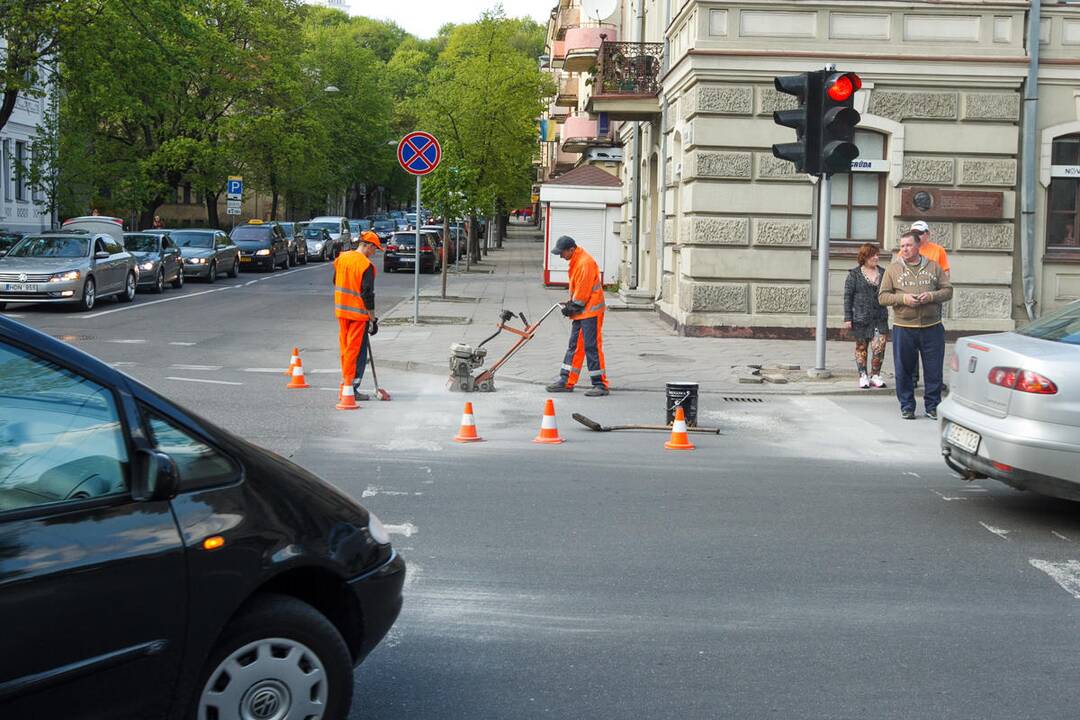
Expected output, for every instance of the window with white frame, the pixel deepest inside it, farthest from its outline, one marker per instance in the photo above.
(858, 198)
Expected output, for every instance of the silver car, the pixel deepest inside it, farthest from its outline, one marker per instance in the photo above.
(207, 253)
(338, 227)
(69, 266)
(1013, 411)
(158, 258)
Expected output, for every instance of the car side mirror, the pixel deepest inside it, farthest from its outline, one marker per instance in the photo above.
(156, 476)
(101, 255)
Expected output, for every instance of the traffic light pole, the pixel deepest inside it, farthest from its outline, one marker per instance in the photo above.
(824, 208)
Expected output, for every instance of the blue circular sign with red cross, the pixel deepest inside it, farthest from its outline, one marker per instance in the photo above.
(419, 153)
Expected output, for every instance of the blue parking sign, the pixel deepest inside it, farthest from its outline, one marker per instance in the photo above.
(235, 185)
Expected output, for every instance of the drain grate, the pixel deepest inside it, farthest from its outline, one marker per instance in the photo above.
(744, 398)
(74, 338)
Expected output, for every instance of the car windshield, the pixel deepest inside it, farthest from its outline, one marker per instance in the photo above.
(384, 225)
(1061, 326)
(359, 225)
(193, 239)
(313, 233)
(404, 240)
(52, 247)
(287, 227)
(249, 233)
(8, 239)
(141, 243)
(331, 226)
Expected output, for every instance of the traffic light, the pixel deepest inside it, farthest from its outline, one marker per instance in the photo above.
(805, 152)
(838, 120)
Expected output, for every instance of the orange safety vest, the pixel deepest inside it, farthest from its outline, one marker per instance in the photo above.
(349, 269)
(585, 286)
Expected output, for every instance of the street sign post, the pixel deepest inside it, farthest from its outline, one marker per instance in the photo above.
(234, 187)
(419, 153)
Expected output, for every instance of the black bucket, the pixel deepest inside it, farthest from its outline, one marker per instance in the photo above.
(685, 394)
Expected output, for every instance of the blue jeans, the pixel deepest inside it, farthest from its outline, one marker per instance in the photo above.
(909, 345)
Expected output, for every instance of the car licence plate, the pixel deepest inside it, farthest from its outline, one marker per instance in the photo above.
(406, 259)
(961, 437)
(244, 259)
(21, 288)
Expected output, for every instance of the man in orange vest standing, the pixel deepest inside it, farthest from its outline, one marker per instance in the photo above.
(354, 304)
(586, 309)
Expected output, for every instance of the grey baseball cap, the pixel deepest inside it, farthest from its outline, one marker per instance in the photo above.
(563, 244)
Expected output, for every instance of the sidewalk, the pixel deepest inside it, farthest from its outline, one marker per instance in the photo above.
(641, 352)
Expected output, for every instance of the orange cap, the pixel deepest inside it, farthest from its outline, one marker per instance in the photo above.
(369, 237)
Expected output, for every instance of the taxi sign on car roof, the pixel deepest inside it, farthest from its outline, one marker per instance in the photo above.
(254, 222)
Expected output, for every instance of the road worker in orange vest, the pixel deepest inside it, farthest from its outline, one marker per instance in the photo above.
(354, 306)
(586, 309)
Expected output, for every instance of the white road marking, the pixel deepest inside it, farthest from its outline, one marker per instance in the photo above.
(195, 367)
(913, 474)
(152, 302)
(182, 344)
(947, 498)
(250, 282)
(288, 272)
(974, 489)
(1066, 574)
(1003, 534)
(265, 370)
(406, 529)
(1056, 534)
(123, 363)
(127, 342)
(201, 380)
(372, 491)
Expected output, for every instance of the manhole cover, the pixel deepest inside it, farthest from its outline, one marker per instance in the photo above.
(74, 338)
(427, 320)
(743, 399)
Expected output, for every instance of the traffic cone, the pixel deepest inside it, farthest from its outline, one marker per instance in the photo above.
(680, 439)
(292, 362)
(549, 432)
(467, 431)
(347, 399)
(297, 380)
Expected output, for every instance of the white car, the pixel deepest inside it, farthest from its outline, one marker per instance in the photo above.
(338, 227)
(1013, 411)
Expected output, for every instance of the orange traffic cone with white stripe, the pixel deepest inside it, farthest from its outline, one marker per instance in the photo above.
(297, 380)
(467, 431)
(347, 398)
(680, 438)
(292, 362)
(549, 431)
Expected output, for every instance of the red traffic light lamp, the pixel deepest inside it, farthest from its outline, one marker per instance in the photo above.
(841, 86)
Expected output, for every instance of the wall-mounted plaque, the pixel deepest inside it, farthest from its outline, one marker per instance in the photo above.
(930, 202)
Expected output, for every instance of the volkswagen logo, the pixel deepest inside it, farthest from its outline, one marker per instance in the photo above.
(22, 277)
(265, 704)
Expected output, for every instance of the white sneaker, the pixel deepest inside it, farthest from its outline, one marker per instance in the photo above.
(877, 382)
(864, 382)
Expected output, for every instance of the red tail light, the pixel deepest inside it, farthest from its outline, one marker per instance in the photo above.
(1023, 380)
(426, 248)
(391, 248)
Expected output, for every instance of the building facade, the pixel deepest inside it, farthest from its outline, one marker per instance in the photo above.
(720, 238)
(23, 208)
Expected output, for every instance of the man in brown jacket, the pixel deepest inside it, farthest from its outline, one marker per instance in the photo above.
(915, 287)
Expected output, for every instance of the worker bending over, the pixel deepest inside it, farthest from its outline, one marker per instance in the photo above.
(354, 305)
(586, 309)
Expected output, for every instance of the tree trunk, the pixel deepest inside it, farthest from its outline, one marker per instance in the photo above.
(474, 240)
(7, 106)
(358, 203)
(211, 209)
(147, 213)
(500, 226)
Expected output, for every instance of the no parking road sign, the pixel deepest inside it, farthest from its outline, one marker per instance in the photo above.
(419, 153)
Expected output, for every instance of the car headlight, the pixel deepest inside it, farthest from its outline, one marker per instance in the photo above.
(149, 265)
(318, 247)
(263, 253)
(66, 276)
(197, 260)
(377, 530)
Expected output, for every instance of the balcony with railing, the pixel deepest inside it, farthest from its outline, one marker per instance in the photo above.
(583, 45)
(568, 92)
(558, 54)
(626, 83)
(558, 112)
(580, 132)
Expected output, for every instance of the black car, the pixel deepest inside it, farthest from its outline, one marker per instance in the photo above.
(153, 565)
(158, 259)
(384, 228)
(400, 252)
(263, 245)
(297, 247)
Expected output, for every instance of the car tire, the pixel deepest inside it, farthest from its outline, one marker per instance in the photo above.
(89, 295)
(179, 281)
(211, 273)
(3, 305)
(239, 673)
(128, 293)
(287, 262)
(159, 285)
(304, 259)
(235, 271)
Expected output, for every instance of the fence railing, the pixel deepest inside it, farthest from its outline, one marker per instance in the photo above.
(628, 68)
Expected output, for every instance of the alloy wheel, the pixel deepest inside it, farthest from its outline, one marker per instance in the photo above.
(89, 294)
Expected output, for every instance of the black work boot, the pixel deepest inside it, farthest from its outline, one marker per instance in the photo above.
(560, 386)
(597, 391)
(359, 395)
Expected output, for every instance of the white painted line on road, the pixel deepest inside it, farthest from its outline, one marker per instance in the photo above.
(1065, 574)
(288, 272)
(251, 282)
(913, 474)
(123, 363)
(974, 489)
(265, 370)
(372, 491)
(1003, 534)
(202, 380)
(152, 302)
(1056, 534)
(183, 344)
(195, 367)
(947, 498)
(406, 529)
(127, 342)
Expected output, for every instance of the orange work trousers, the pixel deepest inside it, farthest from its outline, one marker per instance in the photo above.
(586, 344)
(351, 340)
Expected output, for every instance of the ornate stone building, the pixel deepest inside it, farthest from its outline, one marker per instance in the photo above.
(721, 239)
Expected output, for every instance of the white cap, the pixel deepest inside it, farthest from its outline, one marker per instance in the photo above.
(920, 225)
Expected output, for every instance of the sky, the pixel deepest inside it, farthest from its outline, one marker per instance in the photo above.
(424, 17)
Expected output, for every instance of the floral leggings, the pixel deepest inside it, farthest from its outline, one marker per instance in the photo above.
(864, 347)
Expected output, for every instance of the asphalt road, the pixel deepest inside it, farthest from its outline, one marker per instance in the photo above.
(817, 560)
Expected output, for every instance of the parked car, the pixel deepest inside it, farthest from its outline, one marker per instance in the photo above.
(67, 266)
(321, 244)
(338, 227)
(98, 224)
(159, 566)
(1013, 410)
(384, 229)
(297, 246)
(207, 253)
(451, 247)
(400, 252)
(356, 227)
(157, 258)
(8, 238)
(263, 245)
